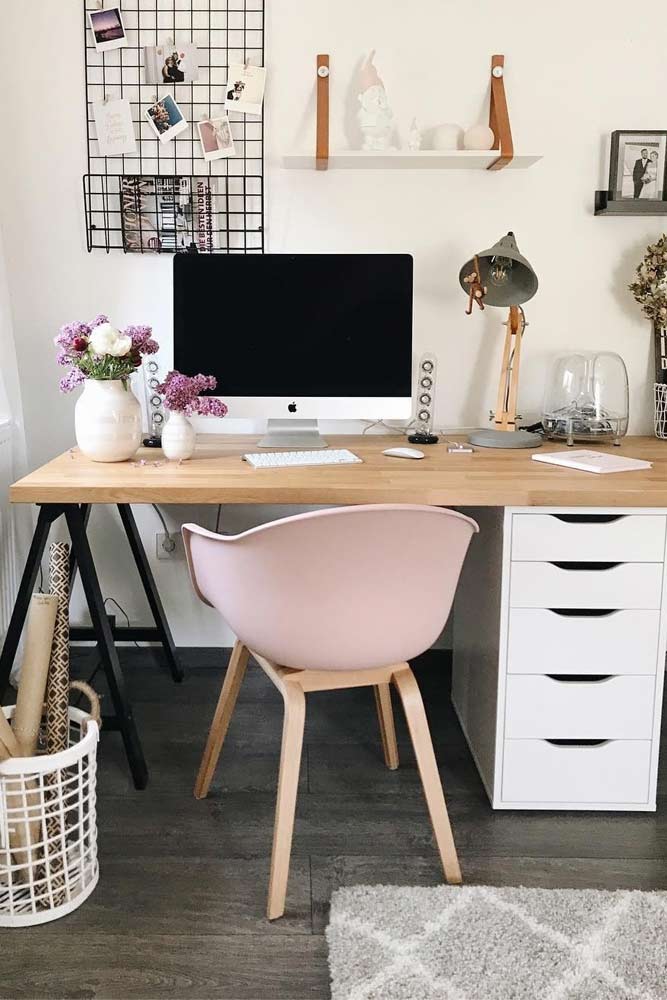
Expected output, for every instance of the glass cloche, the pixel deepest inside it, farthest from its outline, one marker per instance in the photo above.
(587, 398)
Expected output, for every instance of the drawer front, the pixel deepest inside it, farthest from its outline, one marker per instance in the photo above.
(626, 585)
(535, 771)
(627, 538)
(620, 642)
(613, 708)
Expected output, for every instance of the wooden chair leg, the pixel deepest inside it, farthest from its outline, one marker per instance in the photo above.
(223, 713)
(288, 783)
(387, 728)
(413, 705)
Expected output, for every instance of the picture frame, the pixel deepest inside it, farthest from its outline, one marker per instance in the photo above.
(638, 165)
(215, 135)
(166, 118)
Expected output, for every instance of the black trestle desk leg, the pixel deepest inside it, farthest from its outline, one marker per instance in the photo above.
(48, 513)
(108, 654)
(151, 591)
(85, 509)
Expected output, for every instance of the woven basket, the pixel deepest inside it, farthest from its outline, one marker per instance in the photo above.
(48, 808)
(660, 410)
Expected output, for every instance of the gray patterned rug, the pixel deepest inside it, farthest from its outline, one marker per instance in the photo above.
(479, 943)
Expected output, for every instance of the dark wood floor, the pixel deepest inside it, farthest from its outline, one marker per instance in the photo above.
(179, 911)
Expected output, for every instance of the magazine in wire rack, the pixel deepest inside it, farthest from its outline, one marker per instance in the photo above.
(168, 214)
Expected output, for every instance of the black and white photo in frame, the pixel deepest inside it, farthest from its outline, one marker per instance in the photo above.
(108, 29)
(638, 164)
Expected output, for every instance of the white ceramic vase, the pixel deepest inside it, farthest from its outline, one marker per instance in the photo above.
(178, 437)
(108, 421)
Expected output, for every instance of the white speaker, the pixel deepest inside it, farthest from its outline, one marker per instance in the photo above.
(427, 371)
(154, 404)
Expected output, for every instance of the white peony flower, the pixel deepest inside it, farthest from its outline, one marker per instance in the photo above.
(105, 339)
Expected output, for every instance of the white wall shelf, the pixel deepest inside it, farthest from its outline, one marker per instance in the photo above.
(399, 159)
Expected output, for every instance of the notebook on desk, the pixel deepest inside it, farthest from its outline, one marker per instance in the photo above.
(593, 461)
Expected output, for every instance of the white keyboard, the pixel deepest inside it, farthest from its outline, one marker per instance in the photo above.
(287, 459)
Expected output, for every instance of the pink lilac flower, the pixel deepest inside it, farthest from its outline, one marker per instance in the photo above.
(73, 378)
(182, 394)
(99, 320)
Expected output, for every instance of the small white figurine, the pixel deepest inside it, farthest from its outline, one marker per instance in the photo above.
(375, 116)
(414, 137)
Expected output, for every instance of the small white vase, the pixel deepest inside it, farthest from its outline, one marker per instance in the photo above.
(107, 421)
(178, 437)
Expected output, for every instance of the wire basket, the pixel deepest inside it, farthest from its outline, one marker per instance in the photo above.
(48, 828)
(660, 410)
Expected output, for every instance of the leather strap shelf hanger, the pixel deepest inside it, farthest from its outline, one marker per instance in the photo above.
(322, 141)
(499, 118)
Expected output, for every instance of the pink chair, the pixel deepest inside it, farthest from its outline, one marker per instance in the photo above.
(328, 600)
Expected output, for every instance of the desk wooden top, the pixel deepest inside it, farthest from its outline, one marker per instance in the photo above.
(216, 474)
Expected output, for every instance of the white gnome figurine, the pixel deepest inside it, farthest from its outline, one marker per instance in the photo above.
(375, 116)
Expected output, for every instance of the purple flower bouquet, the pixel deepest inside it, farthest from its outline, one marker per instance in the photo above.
(99, 351)
(182, 394)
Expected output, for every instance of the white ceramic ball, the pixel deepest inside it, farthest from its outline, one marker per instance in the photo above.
(447, 137)
(479, 137)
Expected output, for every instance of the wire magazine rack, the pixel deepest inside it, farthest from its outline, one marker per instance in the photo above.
(165, 197)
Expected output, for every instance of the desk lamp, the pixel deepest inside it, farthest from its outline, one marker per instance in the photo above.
(500, 276)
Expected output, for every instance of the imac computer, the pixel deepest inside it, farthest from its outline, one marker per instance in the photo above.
(298, 337)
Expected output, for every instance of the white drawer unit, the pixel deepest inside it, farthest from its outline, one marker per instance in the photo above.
(562, 707)
(576, 641)
(547, 776)
(559, 656)
(615, 537)
(568, 585)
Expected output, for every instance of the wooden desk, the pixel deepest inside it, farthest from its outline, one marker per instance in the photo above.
(70, 484)
(216, 474)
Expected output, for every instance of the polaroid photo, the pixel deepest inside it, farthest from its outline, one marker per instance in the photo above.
(115, 128)
(638, 165)
(245, 89)
(216, 139)
(166, 119)
(173, 63)
(108, 29)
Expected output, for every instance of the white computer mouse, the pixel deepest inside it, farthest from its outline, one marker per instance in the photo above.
(403, 453)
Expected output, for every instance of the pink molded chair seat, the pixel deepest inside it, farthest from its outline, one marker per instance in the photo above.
(342, 589)
(328, 600)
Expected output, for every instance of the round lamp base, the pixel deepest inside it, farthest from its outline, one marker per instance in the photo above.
(505, 439)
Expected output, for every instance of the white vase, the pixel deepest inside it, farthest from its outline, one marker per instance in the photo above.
(178, 437)
(108, 421)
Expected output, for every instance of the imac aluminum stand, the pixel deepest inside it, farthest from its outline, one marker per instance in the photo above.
(300, 435)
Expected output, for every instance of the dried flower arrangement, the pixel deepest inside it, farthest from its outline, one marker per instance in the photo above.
(99, 351)
(182, 394)
(650, 285)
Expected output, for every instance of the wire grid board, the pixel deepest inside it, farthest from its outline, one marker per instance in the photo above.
(166, 197)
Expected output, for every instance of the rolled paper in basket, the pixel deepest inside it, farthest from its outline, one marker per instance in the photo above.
(34, 671)
(8, 738)
(57, 688)
(57, 719)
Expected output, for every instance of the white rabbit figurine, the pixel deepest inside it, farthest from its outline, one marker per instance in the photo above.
(375, 116)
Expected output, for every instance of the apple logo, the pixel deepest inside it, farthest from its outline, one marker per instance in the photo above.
(292, 407)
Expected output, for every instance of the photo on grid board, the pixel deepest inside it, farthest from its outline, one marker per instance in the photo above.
(216, 139)
(108, 29)
(166, 119)
(245, 89)
(173, 63)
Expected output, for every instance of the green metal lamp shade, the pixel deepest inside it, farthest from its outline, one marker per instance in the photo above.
(520, 283)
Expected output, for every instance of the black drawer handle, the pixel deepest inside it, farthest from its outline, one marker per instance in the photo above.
(580, 678)
(596, 566)
(584, 612)
(589, 518)
(578, 743)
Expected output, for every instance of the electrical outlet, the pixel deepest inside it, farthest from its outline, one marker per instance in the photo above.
(169, 546)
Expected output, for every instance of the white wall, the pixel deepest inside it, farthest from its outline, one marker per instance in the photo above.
(575, 71)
